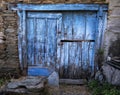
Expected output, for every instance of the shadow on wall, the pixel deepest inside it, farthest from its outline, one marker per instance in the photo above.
(114, 49)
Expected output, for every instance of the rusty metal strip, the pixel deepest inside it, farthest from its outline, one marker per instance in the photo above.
(77, 40)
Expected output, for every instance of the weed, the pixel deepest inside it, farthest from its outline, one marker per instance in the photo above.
(93, 84)
(103, 89)
(1, 82)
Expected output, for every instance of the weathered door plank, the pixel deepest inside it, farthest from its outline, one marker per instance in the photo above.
(77, 52)
(59, 36)
(40, 41)
(80, 25)
(91, 30)
(41, 34)
(30, 41)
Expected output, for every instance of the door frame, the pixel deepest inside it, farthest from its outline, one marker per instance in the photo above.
(21, 9)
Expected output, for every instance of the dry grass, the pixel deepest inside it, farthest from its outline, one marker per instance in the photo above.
(70, 90)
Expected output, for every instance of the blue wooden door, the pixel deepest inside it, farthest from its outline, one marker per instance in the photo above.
(64, 41)
(42, 39)
(77, 48)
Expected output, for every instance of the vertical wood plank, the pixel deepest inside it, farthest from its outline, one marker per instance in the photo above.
(24, 44)
(52, 29)
(20, 39)
(91, 34)
(59, 32)
(30, 41)
(104, 27)
(78, 33)
(67, 29)
(40, 42)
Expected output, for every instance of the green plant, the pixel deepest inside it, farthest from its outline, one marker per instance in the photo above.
(1, 82)
(107, 86)
(103, 89)
(99, 57)
(112, 91)
(93, 84)
(100, 51)
(96, 91)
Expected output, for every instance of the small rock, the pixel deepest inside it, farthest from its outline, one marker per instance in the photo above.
(99, 76)
(53, 80)
(2, 41)
(2, 36)
(10, 30)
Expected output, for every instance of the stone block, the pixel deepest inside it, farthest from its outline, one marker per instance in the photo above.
(12, 62)
(8, 72)
(114, 21)
(114, 24)
(48, 2)
(10, 30)
(113, 3)
(112, 74)
(2, 48)
(10, 18)
(115, 11)
(53, 80)
(2, 36)
(9, 15)
(28, 85)
(2, 41)
(2, 55)
(2, 62)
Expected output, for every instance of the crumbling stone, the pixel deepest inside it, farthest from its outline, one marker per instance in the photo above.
(29, 85)
(112, 74)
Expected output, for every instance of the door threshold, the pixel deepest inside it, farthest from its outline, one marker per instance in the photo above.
(73, 81)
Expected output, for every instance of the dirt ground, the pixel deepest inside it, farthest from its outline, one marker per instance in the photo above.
(70, 90)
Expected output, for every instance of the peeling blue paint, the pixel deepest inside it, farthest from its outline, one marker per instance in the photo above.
(59, 7)
(42, 34)
(39, 71)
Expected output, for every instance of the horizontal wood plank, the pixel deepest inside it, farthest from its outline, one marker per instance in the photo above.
(72, 81)
(58, 7)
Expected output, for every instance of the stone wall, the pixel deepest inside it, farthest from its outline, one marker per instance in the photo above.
(112, 35)
(8, 27)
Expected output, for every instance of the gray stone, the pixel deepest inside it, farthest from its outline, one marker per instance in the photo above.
(2, 36)
(113, 3)
(10, 30)
(115, 11)
(2, 41)
(26, 84)
(53, 80)
(112, 74)
(99, 76)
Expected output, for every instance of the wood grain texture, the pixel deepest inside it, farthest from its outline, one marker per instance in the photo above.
(65, 41)
(42, 38)
(59, 7)
(77, 52)
(47, 45)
